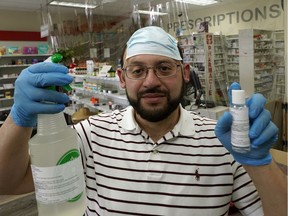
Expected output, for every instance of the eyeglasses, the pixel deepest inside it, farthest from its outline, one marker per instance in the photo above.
(162, 70)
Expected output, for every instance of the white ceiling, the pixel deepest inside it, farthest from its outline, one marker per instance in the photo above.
(112, 7)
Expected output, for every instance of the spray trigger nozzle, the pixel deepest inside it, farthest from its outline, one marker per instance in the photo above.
(56, 58)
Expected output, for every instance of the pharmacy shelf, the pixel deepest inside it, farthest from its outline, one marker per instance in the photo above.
(87, 86)
(255, 60)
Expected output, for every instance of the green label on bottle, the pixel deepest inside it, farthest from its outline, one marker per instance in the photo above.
(61, 183)
(69, 156)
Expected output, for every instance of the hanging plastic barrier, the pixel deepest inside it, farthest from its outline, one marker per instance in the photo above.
(170, 15)
(94, 28)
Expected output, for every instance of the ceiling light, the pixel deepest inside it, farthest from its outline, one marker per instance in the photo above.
(150, 12)
(198, 2)
(72, 4)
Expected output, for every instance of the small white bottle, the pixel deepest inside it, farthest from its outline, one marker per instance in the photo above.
(57, 168)
(90, 67)
(240, 126)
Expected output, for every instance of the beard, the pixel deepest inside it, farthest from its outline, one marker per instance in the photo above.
(157, 114)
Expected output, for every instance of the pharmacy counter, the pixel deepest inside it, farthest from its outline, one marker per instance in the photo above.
(18, 205)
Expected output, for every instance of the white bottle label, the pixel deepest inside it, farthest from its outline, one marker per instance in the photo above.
(240, 127)
(59, 183)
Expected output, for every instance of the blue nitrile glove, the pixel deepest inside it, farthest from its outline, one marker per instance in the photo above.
(30, 92)
(263, 132)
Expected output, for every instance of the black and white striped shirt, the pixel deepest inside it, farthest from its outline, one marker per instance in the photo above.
(187, 172)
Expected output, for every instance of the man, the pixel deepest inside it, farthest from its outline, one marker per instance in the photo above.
(154, 157)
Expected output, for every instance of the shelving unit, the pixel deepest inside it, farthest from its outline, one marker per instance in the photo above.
(10, 68)
(206, 55)
(220, 71)
(232, 58)
(194, 54)
(102, 88)
(256, 61)
(279, 65)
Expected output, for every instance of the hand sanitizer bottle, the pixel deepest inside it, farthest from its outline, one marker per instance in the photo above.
(240, 126)
(57, 168)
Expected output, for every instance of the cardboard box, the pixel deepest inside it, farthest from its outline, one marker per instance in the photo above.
(281, 159)
(275, 108)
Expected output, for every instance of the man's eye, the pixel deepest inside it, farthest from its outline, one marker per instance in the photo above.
(138, 71)
(164, 68)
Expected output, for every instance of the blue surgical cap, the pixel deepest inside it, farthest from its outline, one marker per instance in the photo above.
(152, 40)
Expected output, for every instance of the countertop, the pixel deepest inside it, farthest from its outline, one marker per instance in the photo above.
(18, 205)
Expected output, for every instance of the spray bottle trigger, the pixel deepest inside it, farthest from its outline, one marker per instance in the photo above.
(56, 58)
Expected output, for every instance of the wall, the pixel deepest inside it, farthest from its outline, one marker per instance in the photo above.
(20, 21)
(25, 22)
(229, 18)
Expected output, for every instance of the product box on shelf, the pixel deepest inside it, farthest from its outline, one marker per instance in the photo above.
(8, 95)
(30, 50)
(12, 50)
(2, 50)
(43, 49)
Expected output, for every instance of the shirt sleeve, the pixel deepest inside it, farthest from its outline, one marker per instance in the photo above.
(84, 140)
(245, 195)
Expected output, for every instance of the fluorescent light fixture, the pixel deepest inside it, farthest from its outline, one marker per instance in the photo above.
(150, 12)
(72, 4)
(198, 2)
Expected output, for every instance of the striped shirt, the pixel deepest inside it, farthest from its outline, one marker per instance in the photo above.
(187, 172)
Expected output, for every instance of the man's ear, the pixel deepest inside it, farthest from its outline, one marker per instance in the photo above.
(121, 76)
(186, 72)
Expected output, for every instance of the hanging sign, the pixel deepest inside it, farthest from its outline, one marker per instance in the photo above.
(44, 30)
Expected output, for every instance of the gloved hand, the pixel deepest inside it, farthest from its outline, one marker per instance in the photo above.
(30, 92)
(263, 132)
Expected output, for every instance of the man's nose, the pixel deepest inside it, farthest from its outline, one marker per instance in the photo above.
(151, 77)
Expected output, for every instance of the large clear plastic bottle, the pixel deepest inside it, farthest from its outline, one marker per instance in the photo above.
(240, 126)
(57, 168)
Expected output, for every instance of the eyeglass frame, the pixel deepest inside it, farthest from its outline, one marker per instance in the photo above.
(154, 70)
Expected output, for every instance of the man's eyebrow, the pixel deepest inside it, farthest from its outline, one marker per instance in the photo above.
(136, 62)
(156, 63)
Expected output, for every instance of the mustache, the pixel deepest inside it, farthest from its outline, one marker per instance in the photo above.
(151, 90)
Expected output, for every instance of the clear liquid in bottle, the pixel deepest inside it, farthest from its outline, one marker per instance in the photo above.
(57, 168)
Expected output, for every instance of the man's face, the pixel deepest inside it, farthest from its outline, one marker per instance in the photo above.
(153, 98)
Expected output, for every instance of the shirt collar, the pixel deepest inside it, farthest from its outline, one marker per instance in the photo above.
(185, 125)
(128, 121)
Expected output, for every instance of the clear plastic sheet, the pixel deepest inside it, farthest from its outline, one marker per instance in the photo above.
(82, 29)
(101, 33)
